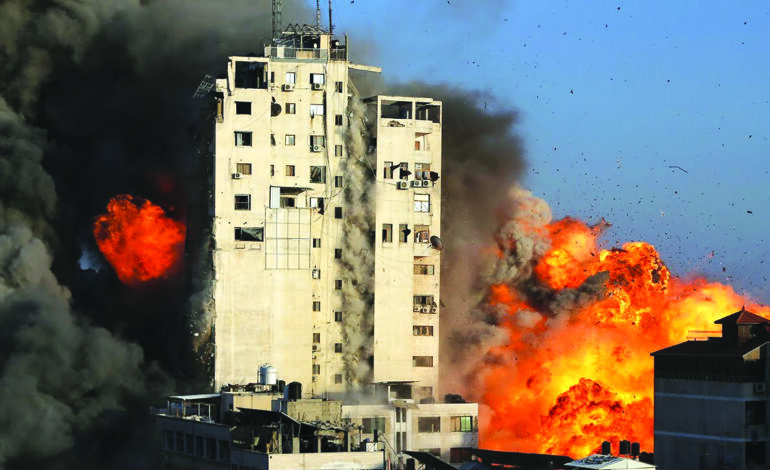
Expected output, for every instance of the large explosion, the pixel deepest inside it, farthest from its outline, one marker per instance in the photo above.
(138, 240)
(581, 321)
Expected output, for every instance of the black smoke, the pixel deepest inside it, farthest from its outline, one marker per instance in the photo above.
(95, 101)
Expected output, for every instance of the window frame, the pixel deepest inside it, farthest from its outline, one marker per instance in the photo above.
(241, 139)
(242, 203)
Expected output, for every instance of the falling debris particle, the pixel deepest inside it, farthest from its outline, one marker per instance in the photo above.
(679, 167)
(618, 8)
(749, 212)
(662, 214)
(724, 269)
(571, 92)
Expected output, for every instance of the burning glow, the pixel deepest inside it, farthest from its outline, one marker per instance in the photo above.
(138, 240)
(576, 369)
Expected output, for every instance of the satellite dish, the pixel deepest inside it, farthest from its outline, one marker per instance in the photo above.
(275, 109)
(436, 243)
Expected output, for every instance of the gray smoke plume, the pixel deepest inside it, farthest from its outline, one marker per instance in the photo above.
(94, 102)
(358, 250)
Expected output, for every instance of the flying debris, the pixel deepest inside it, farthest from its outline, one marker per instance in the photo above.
(679, 167)
(436, 243)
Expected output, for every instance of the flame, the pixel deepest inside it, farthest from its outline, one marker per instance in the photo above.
(571, 377)
(138, 240)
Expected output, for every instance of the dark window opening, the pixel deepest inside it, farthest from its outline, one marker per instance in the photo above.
(338, 87)
(242, 202)
(338, 316)
(243, 107)
(250, 75)
(338, 120)
(249, 234)
(338, 347)
(370, 424)
(318, 174)
(755, 412)
(338, 212)
(429, 424)
(242, 139)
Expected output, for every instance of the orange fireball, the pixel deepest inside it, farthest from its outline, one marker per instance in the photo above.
(139, 240)
(577, 370)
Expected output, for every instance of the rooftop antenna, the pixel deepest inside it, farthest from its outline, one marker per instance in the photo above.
(276, 19)
(318, 14)
(331, 27)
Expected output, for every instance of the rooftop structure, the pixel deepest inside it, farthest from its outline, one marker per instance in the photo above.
(607, 462)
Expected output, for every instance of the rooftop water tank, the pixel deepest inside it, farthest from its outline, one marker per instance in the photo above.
(268, 375)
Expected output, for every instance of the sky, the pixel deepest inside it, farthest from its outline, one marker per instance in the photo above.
(653, 115)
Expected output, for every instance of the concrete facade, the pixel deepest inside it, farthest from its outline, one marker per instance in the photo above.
(280, 150)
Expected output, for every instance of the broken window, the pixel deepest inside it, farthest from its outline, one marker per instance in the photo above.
(338, 253)
(426, 269)
(289, 139)
(338, 150)
(290, 170)
(421, 233)
(242, 202)
(316, 308)
(318, 174)
(317, 78)
(250, 75)
(387, 233)
(316, 369)
(243, 107)
(370, 424)
(462, 424)
(290, 78)
(387, 171)
(338, 316)
(422, 330)
(338, 120)
(316, 243)
(291, 108)
(316, 110)
(338, 284)
(242, 139)
(338, 347)
(338, 212)
(338, 181)
(403, 233)
(250, 234)
(422, 202)
(317, 202)
(429, 423)
(428, 112)
(243, 168)
(338, 87)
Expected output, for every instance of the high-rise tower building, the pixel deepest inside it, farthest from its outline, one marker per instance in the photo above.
(327, 212)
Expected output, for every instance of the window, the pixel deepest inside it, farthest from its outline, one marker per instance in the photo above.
(316, 338)
(370, 424)
(272, 77)
(199, 446)
(317, 142)
(338, 316)
(318, 174)
(401, 415)
(242, 139)
(338, 120)
(272, 170)
(338, 212)
(338, 284)
(387, 172)
(403, 233)
(249, 234)
(423, 303)
(338, 347)
(422, 171)
(462, 424)
(243, 168)
(224, 451)
(387, 233)
(316, 110)
(338, 87)
(291, 108)
(429, 424)
(291, 78)
(422, 202)
(755, 412)
(337, 378)
(338, 150)
(242, 202)
(243, 107)
(422, 330)
(403, 171)
(422, 361)
(287, 200)
(289, 139)
(424, 269)
(272, 139)
(317, 203)
(317, 78)
(316, 307)
(400, 441)
(316, 369)
(755, 454)
(290, 170)
(459, 455)
(338, 253)
(211, 448)
(421, 234)
(316, 243)
(338, 181)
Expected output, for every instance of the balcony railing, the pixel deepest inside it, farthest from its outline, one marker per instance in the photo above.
(282, 52)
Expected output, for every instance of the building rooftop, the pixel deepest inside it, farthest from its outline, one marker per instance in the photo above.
(712, 347)
(742, 317)
(598, 461)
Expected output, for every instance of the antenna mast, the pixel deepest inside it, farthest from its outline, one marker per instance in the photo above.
(331, 27)
(318, 14)
(276, 19)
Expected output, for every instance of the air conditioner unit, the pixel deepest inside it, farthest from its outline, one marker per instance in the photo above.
(416, 184)
(426, 184)
(315, 347)
(433, 309)
(318, 86)
(402, 184)
(288, 87)
(315, 148)
(760, 387)
(237, 176)
(416, 308)
(425, 310)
